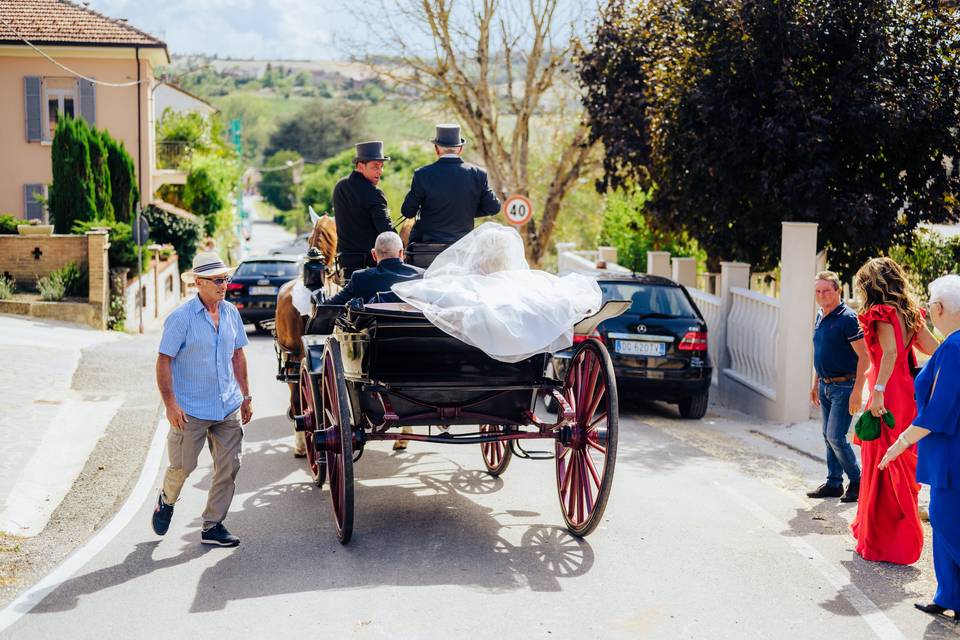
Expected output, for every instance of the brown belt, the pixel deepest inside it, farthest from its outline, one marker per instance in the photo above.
(846, 378)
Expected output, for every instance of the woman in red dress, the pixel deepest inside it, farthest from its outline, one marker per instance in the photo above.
(887, 525)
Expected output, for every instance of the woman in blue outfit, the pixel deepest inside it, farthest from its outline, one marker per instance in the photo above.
(937, 430)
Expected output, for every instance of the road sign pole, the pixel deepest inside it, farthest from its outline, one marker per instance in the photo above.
(139, 270)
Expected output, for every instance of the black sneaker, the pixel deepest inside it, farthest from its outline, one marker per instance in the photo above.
(853, 492)
(826, 491)
(161, 516)
(218, 534)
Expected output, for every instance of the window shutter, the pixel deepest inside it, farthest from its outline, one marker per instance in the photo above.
(88, 101)
(33, 103)
(33, 208)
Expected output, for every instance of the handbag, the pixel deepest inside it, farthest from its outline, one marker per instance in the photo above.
(868, 425)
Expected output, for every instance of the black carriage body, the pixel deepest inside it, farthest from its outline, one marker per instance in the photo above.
(400, 367)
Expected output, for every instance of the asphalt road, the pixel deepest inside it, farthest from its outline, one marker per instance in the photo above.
(704, 537)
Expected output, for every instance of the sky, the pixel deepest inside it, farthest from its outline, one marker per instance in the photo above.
(290, 29)
(277, 29)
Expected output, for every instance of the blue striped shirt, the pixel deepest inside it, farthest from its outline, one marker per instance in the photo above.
(203, 379)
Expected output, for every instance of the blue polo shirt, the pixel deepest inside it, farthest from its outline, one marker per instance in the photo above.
(203, 379)
(832, 354)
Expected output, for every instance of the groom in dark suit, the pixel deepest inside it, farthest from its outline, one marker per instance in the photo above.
(448, 194)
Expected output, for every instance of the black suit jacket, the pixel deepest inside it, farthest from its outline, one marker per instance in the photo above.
(366, 283)
(360, 211)
(448, 195)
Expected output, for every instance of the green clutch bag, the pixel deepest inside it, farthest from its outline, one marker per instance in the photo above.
(868, 426)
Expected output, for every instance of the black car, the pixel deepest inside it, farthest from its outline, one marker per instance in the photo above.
(658, 347)
(255, 284)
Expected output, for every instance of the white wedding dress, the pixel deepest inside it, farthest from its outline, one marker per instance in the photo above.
(481, 291)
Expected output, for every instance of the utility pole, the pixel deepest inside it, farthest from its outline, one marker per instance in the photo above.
(235, 129)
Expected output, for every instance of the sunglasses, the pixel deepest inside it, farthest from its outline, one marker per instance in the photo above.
(217, 281)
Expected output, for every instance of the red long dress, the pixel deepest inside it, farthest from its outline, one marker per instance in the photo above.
(887, 526)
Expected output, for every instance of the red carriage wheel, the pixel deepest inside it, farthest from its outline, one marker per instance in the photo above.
(496, 455)
(339, 450)
(308, 406)
(585, 461)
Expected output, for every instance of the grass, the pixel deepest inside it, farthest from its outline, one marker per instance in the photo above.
(11, 562)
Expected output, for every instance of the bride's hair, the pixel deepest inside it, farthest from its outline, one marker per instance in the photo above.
(496, 249)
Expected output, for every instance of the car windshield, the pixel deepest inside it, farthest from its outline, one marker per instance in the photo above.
(650, 300)
(267, 269)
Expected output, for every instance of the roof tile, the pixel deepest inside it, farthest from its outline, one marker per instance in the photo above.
(63, 22)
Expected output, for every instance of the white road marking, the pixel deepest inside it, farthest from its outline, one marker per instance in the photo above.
(882, 626)
(66, 570)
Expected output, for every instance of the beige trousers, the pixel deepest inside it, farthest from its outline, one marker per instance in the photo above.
(184, 446)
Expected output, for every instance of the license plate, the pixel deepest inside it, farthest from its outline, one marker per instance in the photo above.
(263, 291)
(638, 348)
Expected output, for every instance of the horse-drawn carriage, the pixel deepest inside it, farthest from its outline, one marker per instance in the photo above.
(363, 376)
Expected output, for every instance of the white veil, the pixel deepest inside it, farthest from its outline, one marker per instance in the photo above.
(481, 291)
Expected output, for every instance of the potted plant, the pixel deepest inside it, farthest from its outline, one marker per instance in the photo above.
(34, 228)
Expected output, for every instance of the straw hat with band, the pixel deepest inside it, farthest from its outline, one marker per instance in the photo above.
(207, 264)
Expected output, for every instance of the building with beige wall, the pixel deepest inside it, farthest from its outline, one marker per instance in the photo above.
(58, 57)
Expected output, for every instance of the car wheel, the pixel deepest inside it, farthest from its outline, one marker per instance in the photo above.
(695, 407)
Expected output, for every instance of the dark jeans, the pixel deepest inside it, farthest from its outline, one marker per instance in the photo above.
(835, 405)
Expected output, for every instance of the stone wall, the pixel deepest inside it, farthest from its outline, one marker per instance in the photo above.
(28, 258)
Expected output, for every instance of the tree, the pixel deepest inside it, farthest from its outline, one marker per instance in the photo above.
(743, 114)
(100, 173)
(277, 186)
(71, 197)
(318, 131)
(202, 197)
(124, 192)
(496, 67)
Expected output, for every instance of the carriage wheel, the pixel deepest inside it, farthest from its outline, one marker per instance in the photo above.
(308, 405)
(336, 415)
(585, 463)
(496, 455)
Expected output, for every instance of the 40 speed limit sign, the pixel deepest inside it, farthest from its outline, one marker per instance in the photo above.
(517, 210)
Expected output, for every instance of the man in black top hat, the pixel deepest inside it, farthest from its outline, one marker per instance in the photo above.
(448, 194)
(360, 208)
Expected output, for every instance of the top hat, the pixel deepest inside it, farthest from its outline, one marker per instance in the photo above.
(448, 135)
(206, 264)
(369, 151)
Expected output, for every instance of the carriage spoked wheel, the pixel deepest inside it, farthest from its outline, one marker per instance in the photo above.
(308, 406)
(339, 446)
(496, 455)
(587, 451)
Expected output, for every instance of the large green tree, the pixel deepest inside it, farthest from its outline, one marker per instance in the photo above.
(100, 173)
(71, 197)
(124, 192)
(321, 129)
(743, 113)
(277, 185)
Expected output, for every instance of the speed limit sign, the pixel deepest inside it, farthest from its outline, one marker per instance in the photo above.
(517, 209)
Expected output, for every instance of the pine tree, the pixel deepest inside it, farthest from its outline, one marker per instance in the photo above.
(71, 197)
(123, 179)
(100, 172)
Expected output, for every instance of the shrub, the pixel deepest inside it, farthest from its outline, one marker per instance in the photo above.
(124, 192)
(71, 196)
(100, 174)
(7, 287)
(929, 256)
(75, 280)
(8, 225)
(52, 287)
(123, 250)
(183, 234)
(118, 302)
(201, 196)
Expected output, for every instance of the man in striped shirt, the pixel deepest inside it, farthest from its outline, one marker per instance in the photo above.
(202, 376)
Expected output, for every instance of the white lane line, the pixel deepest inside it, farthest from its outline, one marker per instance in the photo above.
(66, 570)
(882, 626)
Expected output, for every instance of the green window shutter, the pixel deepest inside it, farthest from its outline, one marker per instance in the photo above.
(33, 107)
(88, 101)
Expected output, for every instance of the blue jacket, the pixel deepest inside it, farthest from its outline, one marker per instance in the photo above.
(366, 283)
(938, 409)
(448, 195)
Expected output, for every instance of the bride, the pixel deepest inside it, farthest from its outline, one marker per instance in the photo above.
(481, 291)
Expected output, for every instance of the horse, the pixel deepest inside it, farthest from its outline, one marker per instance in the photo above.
(289, 324)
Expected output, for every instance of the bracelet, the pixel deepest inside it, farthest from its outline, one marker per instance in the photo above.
(902, 438)
(246, 398)
(880, 387)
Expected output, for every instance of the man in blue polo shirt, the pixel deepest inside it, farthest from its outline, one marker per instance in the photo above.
(840, 360)
(202, 376)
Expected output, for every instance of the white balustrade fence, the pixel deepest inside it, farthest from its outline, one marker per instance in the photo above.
(752, 340)
(710, 307)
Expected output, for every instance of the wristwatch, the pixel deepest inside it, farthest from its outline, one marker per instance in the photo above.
(880, 387)
(246, 398)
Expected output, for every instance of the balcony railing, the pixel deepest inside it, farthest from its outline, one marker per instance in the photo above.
(173, 154)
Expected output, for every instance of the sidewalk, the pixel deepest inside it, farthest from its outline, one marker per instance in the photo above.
(52, 418)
